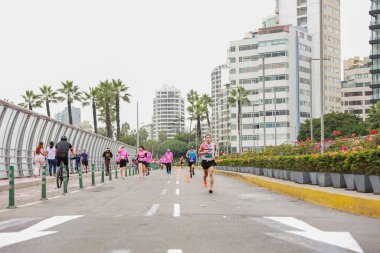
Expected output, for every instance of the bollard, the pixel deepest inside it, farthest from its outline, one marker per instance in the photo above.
(110, 173)
(92, 174)
(11, 176)
(116, 176)
(102, 173)
(80, 178)
(64, 180)
(43, 192)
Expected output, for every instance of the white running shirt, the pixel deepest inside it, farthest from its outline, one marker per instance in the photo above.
(209, 147)
(51, 153)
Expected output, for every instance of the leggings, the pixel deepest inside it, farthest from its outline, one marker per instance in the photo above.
(168, 167)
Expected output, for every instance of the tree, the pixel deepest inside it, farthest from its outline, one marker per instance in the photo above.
(239, 97)
(72, 94)
(124, 131)
(91, 97)
(187, 137)
(48, 95)
(143, 134)
(162, 136)
(207, 101)
(105, 98)
(373, 120)
(343, 123)
(120, 90)
(178, 148)
(31, 100)
(196, 110)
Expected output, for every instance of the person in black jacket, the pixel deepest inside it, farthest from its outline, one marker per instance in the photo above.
(107, 155)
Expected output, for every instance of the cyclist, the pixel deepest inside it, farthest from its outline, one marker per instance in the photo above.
(63, 148)
(191, 160)
(208, 154)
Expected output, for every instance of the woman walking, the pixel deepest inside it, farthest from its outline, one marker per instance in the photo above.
(141, 157)
(39, 158)
(123, 154)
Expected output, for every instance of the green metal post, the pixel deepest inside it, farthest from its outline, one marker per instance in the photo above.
(110, 173)
(93, 174)
(43, 192)
(11, 176)
(80, 178)
(116, 176)
(64, 180)
(103, 173)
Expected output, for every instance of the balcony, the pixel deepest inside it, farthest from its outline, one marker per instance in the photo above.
(374, 54)
(375, 9)
(374, 39)
(374, 24)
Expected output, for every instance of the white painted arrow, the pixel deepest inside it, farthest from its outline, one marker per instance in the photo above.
(34, 231)
(339, 239)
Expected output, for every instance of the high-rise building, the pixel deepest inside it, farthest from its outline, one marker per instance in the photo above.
(356, 90)
(280, 56)
(326, 37)
(375, 53)
(64, 116)
(149, 129)
(219, 76)
(168, 112)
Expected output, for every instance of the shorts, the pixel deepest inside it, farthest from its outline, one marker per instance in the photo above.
(190, 163)
(64, 160)
(207, 164)
(123, 163)
(146, 164)
(85, 163)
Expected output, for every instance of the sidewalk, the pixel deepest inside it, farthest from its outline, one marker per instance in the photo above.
(340, 199)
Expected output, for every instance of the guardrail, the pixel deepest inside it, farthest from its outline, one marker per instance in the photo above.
(21, 130)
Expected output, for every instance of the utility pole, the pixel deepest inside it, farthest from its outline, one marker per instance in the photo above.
(138, 130)
(265, 125)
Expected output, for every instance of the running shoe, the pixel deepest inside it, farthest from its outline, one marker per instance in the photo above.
(204, 183)
(210, 191)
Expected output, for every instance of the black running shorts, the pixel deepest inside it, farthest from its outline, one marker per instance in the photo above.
(123, 163)
(207, 164)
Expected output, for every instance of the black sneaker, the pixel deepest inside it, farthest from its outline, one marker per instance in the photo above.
(210, 191)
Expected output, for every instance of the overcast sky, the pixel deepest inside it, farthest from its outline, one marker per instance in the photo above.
(146, 43)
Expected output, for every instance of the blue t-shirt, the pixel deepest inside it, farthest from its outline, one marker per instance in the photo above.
(77, 158)
(85, 156)
(192, 156)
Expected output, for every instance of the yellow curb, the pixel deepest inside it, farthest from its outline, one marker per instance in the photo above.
(351, 204)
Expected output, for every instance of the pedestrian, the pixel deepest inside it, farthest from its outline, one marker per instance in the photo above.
(123, 154)
(84, 159)
(52, 161)
(39, 159)
(77, 160)
(148, 161)
(169, 159)
(107, 155)
(141, 157)
(208, 154)
(182, 161)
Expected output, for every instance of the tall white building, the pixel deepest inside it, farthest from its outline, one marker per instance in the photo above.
(219, 77)
(306, 13)
(64, 116)
(168, 112)
(285, 51)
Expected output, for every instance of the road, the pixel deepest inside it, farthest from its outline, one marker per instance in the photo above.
(163, 213)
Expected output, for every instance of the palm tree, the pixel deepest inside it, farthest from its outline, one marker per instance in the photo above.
(31, 100)
(196, 110)
(48, 95)
(105, 99)
(120, 90)
(72, 94)
(92, 97)
(373, 120)
(239, 97)
(207, 101)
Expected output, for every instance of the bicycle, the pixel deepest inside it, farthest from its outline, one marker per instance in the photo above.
(60, 175)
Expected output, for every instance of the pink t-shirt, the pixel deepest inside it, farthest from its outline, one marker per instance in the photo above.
(123, 154)
(148, 157)
(169, 157)
(142, 156)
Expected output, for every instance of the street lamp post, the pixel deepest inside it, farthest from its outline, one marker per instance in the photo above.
(275, 116)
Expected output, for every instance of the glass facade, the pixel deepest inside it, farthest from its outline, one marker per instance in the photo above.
(375, 43)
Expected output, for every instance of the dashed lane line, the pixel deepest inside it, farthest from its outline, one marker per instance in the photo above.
(177, 210)
(152, 210)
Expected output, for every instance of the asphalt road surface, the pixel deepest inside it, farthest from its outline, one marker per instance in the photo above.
(163, 213)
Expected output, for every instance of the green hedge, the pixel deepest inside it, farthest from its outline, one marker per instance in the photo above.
(363, 162)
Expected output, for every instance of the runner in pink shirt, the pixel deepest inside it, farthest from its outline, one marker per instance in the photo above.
(141, 157)
(169, 159)
(148, 161)
(123, 154)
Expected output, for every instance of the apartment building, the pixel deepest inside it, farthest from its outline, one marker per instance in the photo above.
(375, 44)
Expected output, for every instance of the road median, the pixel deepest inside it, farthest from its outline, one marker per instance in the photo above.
(347, 201)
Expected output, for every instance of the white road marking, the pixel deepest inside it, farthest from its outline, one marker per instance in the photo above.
(174, 251)
(152, 210)
(177, 192)
(164, 191)
(169, 182)
(74, 191)
(34, 231)
(177, 210)
(120, 251)
(339, 239)
(56, 197)
(177, 182)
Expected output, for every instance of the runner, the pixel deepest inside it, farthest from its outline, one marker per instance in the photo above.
(62, 148)
(191, 158)
(77, 158)
(107, 155)
(84, 159)
(162, 162)
(168, 161)
(181, 161)
(123, 161)
(141, 157)
(208, 154)
(148, 161)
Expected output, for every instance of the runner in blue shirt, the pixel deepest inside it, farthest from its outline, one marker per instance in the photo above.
(191, 156)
